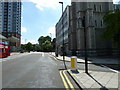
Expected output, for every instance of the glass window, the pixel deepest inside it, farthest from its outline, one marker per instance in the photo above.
(95, 23)
(101, 23)
(100, 8)
(94, 7)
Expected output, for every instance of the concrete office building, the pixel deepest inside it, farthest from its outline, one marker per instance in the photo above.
(10, 22)
(93, 13)
(63, 26)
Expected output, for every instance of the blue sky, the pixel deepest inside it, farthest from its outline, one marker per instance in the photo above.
(39, 18)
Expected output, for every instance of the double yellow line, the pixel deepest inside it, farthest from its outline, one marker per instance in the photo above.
(66, 81)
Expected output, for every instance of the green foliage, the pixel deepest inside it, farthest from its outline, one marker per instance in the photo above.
(47, 46)
(112, 22)
(45, 43)
(37, 47)
(29, 46)
(23, 46)
(42, 39)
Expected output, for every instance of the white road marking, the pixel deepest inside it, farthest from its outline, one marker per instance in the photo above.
(110, 69)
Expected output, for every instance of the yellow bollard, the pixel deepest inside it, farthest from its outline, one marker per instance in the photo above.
(73, 63)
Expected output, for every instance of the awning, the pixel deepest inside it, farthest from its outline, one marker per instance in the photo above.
(13, 39)
(2, 37)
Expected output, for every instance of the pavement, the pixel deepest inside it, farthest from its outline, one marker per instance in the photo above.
(100, 80)
(14, 53)
(95, 79)
(104, 61)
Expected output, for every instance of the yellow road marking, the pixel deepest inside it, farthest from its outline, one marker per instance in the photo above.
(64, 82)
(70, 84)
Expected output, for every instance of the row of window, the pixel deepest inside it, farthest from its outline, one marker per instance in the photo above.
(3, 42)
(96, 23)
(96, 7)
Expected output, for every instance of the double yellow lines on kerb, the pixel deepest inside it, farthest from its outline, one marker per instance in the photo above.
(66, 81)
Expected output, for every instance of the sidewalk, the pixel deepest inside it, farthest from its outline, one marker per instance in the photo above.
(95, 79)
(99, 80)
(92, 60)
(14, 53)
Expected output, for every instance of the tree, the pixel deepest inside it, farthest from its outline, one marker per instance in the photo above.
(23, 47)
(45, 43)
(28, 46)
(42, 39)
(38, 47)
(47, 46)
(112, 22)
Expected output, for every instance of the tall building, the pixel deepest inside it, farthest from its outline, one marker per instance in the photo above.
(85, 16)
(10, 22)
(62, 30)
(88, 16)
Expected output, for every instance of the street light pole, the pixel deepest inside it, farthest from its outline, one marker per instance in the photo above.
(51, 40)
(85, 44)
(63, 38)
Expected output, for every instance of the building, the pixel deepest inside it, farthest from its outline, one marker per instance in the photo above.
(80, 17)
(63, 26)
(91, 14)
(10, 22)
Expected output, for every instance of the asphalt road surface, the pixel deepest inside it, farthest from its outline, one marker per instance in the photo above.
(31, 71)
(36, 70)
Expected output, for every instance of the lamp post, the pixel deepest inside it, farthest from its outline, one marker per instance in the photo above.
(51, 40)
(63, 38)
(25, 44)
(85, 44)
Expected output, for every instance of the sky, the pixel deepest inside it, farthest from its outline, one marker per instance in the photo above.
(39, 18)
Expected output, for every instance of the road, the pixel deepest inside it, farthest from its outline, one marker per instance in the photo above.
(36, 70)
(31, 71)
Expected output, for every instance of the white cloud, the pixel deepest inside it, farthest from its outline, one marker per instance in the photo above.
(23, 29)
(116, 1)
(41, 4)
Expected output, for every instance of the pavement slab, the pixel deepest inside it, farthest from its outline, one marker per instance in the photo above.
(96, 79)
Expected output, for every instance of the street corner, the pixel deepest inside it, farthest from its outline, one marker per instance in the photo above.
(52, 56)
(56, 58)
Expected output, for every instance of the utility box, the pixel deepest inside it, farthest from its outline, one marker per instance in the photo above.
(74, 63)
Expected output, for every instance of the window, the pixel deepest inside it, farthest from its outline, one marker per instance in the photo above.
(95, 23)
(94, 7)
(100, 8)
(101, 23)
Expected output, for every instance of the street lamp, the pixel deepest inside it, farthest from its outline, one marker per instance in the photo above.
(63, 37)
(51, 40)
(51, 36)
(85, 44)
